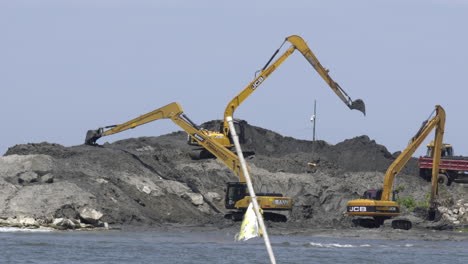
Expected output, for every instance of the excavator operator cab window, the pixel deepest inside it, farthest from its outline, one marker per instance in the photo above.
(235, 192)
(372, 194)
(239, 127)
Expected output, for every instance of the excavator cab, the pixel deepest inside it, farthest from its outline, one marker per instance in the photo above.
(239, 125)
(376, 194)
(373, 194)
(235, 191)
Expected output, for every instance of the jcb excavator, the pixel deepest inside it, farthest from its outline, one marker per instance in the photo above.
(377, 204)
(237, 198)
(223, 137)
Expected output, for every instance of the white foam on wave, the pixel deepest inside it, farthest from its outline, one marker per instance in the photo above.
(394, 246)
(17, 229)
(336, 245)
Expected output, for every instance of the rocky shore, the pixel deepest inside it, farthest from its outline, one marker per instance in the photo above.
(151, 182)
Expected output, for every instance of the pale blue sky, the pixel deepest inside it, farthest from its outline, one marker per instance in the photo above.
(70, 66)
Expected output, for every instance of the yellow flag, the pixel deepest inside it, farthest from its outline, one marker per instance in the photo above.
(249, 227)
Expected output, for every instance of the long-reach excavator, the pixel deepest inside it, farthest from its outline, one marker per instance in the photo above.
(237, 198)
(223, 136)
(377, 204)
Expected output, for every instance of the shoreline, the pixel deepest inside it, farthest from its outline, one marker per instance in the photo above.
(383, 233)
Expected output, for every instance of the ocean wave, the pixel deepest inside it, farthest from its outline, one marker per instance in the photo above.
(337, 245)
(17, 229)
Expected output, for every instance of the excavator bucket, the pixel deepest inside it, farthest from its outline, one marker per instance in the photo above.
(358, 105)
(92, 136)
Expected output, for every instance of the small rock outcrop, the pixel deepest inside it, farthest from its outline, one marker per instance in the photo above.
(457, 214)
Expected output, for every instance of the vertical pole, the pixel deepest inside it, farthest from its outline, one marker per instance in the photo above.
(315, 117)
(235, 138)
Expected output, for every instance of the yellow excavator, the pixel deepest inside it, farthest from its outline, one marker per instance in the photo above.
(297, 43)
(237, 198)
(377, 204)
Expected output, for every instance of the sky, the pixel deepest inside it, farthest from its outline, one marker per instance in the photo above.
(70, 66)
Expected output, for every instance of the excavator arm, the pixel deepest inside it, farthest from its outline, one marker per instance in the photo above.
(438, 122)
(299, 44)
(164, 112)
(174, 112)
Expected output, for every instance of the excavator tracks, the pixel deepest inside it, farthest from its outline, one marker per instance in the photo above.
(402, 224)
(378, 222)
(267, 216)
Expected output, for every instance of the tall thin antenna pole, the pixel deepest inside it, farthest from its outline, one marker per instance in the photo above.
(315, 118)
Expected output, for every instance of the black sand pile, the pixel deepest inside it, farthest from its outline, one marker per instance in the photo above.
(151, 181)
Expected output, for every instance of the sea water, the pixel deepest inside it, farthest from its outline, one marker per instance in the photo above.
(45, 246)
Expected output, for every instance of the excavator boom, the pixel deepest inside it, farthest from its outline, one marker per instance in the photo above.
(299, 44)
(174, 112)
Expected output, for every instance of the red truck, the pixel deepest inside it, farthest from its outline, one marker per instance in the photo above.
(451, 168)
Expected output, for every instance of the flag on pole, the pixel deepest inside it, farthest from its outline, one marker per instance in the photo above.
(249, 227)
